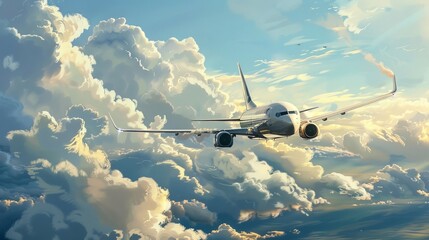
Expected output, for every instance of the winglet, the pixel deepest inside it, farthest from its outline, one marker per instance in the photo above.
(395, 87)
(113, 122)
(247, 99)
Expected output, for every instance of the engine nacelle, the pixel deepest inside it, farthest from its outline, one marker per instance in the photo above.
(308, 130)
(223, 139)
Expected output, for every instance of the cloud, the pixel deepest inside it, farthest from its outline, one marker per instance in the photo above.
(255, 188)
(386, 71)
(61, 76)
(335, 97)
(11, 211)
(371, 16)
(398, 182)
(69, 172)
(195, 211)
(290, 71)
(95, 124)
(335, 23)
(345, 185)
(356, 143)
(358, 14)
(12, 117)
(142, 202)
(9, 63)
(155, 73)
(146, 83)
(405, 138)
(16, 183)
(293, 160)
(225, 231)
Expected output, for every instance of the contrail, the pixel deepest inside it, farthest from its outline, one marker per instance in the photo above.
(385, 70)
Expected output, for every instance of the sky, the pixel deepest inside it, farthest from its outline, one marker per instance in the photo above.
(66, 173)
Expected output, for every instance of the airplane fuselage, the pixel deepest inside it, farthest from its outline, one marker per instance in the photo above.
(272, 121)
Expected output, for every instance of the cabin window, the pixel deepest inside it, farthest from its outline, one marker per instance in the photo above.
(281, 113)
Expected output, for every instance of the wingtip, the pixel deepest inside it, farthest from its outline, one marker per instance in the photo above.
(114, 125)
(395, 87)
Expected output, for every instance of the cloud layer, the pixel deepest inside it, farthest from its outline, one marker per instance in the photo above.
(65, 173)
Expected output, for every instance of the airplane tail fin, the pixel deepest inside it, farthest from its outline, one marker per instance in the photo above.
(247, 99)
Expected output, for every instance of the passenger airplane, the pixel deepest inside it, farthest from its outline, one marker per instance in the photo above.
(275, 120)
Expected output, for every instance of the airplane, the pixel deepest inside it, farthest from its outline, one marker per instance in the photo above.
(275, 120)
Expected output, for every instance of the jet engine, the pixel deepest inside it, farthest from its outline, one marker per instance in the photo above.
(308, 130)
(223, 139)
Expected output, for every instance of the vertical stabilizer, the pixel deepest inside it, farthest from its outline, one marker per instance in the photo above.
(247, 99)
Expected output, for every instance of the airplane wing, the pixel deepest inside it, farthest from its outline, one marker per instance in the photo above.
(343, 110)
(234, 131)
(217, 120)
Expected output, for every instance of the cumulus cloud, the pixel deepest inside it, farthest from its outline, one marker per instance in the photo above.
(142, 83)
(293, 160)
(155, 73)
(346, 185)
(95, 124)
(194, 211)
(69, 172)
(356, 143)
(225, 231)
(404, 139)
(398, 182)
(57, 74)
(256, 189)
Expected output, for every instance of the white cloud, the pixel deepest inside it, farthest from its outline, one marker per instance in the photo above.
(9, 63)
(346, 185)
(254, 186)
(358, 14)
(69, 171)
(398, 15)
(395, 181)
(128, 68)
(156, 73)
(293, 160)
(225, 231)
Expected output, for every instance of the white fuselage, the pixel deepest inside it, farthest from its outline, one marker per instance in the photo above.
(273, 120)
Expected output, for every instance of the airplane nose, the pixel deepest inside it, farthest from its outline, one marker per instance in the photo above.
(290, 126)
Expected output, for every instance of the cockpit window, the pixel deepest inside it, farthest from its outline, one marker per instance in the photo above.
(281, 113)
(292, 112)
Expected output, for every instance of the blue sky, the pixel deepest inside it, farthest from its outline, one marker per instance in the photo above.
(224, 35)
(65, 172)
